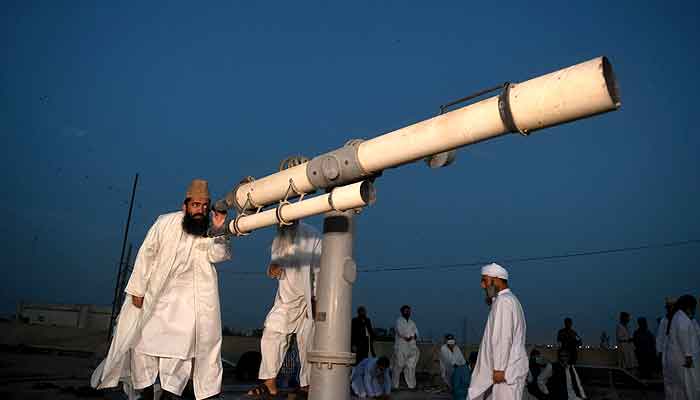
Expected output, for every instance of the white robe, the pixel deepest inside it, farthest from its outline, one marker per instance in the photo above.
(502, 349)
(546, 374)
(696, 359)
(152, 278)
(406, 353)
(291, 311)
(448, 360)
(625, 349)
(661, 335)
(680, 344)
(364, 380)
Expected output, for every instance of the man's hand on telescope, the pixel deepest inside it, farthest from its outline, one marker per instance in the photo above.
(137, 301)
(218, 219)
(274, 271)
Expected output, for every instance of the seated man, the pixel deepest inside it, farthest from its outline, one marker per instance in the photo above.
(450, 357)
(372, 378)
(537, 365)
(560, 381)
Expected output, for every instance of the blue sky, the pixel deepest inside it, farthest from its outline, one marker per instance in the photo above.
(93, 92)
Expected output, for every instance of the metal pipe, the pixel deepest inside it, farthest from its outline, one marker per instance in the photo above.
(576, 92)
(331, 360)
(342, 198)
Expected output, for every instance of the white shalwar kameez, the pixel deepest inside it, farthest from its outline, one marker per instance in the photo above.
(502, 349)
(291, 312)
(365, 381)
(176, 334)
(448, 360)
(696, 359)
(625, 348)
(679, 345)
(406, 353)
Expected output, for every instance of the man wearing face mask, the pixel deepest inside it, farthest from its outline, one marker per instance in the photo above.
(170, 326)
(502, 365)
(406, 351)
(450, 357)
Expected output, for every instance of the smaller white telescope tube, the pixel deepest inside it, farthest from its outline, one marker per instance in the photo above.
(342, 198)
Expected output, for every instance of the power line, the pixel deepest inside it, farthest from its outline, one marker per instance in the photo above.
(572, 254)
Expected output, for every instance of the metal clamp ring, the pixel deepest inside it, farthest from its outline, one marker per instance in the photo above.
(237, 230)
(505, 111)
(278, 214)
(330, 202)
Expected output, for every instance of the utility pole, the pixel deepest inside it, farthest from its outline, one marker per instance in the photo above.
(121, 260)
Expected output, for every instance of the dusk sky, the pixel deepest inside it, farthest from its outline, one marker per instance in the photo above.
(93, 92)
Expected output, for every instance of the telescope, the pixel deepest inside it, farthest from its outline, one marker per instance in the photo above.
(572, 93)
(346, 175)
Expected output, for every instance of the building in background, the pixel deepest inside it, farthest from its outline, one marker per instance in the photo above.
(88, 316)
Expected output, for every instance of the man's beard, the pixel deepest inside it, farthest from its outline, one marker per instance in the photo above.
(491, 293)
(286, 235)
(195, 226)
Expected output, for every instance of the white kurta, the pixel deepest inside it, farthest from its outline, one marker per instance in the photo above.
(661, 335)
(625, 348)
(695, 375)
(502, 349)
(291, 312)
(406, 352)
(546, 374)
(365, 381)
(448, 360)
(679, 345)
(168, 262)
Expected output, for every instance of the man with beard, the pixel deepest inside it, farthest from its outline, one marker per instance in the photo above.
(362, 336)
(406, 352)
(502, 367)
(295, 263)
(170, 325)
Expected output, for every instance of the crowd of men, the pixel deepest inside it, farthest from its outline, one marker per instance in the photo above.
(169, 330)
(674, 352)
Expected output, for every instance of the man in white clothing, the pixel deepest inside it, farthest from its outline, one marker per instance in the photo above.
(502, 364)
(626, 356)
(370, 378)
(450, 357)
(661, 339)
(679, 361)
(170, 325)
(295, 263)
(663, 325)
(406, 353)
(560, 380)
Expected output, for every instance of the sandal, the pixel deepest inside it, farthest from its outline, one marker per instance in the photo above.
(260, 392)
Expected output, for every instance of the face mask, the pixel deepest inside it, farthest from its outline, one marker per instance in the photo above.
(539, 360)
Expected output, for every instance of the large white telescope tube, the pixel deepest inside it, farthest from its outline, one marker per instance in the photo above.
(572, 93)
(342, 198)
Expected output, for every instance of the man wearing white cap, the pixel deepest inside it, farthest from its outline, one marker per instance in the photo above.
(295, 264)
(170, 325)
(502, 366)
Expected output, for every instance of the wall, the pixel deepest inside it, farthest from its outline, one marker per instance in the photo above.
(87, 316)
